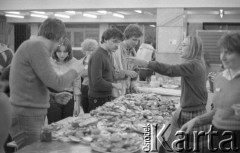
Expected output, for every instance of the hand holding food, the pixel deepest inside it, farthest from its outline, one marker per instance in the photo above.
(63, 97)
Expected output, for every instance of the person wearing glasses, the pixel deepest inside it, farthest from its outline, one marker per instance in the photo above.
(31, 75)
(67, 102)
(88, 47)
(193, 83)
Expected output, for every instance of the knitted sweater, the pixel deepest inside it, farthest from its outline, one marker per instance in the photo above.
(30, 75)
(62, 68)
(193, 82)
(227, 93)
(100, 74)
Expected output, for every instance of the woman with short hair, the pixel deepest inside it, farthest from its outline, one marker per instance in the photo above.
(88, 47)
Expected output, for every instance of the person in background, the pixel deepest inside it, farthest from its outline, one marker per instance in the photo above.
(146, 52)
(226, 98)
(101, 70)
(5, 117)
(132, 35)
(193, 83)
(67, 102)
(88, 46)
(31, 74)
(6, 55)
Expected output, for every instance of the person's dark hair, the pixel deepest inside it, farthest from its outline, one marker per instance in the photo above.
(230, 41)
(68, 46)
(133, 30)
(111, 33)
(148, 40)
(52, 29)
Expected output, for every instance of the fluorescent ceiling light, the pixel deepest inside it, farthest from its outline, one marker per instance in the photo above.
(70, 12)
(89, 15)
(148, 13)
(62, 16)
(138, 11)
(221, 13)
(13, 12)
(122, 12)
(118, 15)
(102, 11)
(39, 16)
(38, 12)
(14, 16)
(152, 25)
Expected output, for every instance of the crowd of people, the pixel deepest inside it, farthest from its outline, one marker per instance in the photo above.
(46, 81)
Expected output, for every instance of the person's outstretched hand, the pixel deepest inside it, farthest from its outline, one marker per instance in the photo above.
(63, 97)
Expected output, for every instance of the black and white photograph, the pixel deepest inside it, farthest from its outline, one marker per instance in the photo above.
(119, 76)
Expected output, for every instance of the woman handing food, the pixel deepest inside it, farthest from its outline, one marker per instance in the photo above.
(193, 81)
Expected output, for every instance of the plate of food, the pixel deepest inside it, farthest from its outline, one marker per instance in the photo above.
(118, 143)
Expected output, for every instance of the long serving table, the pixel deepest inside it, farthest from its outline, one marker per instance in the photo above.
(67, 147)
(56, 146)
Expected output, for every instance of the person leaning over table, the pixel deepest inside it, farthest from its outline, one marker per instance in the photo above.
(101, 71)
(125, 70)
(193, 82)
(67, 102)
(88, 47)
(5, 117)
(227, 93)
(31, 74)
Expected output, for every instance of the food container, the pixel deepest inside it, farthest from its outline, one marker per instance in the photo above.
(236, 108)
(46, 134)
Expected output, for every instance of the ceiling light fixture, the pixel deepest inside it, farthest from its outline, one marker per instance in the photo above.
(70, 12)
(118, 15)
(62, 16)
(14, 16)
(102, 11)
(38, 12)
(152, 25)
(89, 15)
(221, 13)
(138, 11)
(39, 16)
(13, 12)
